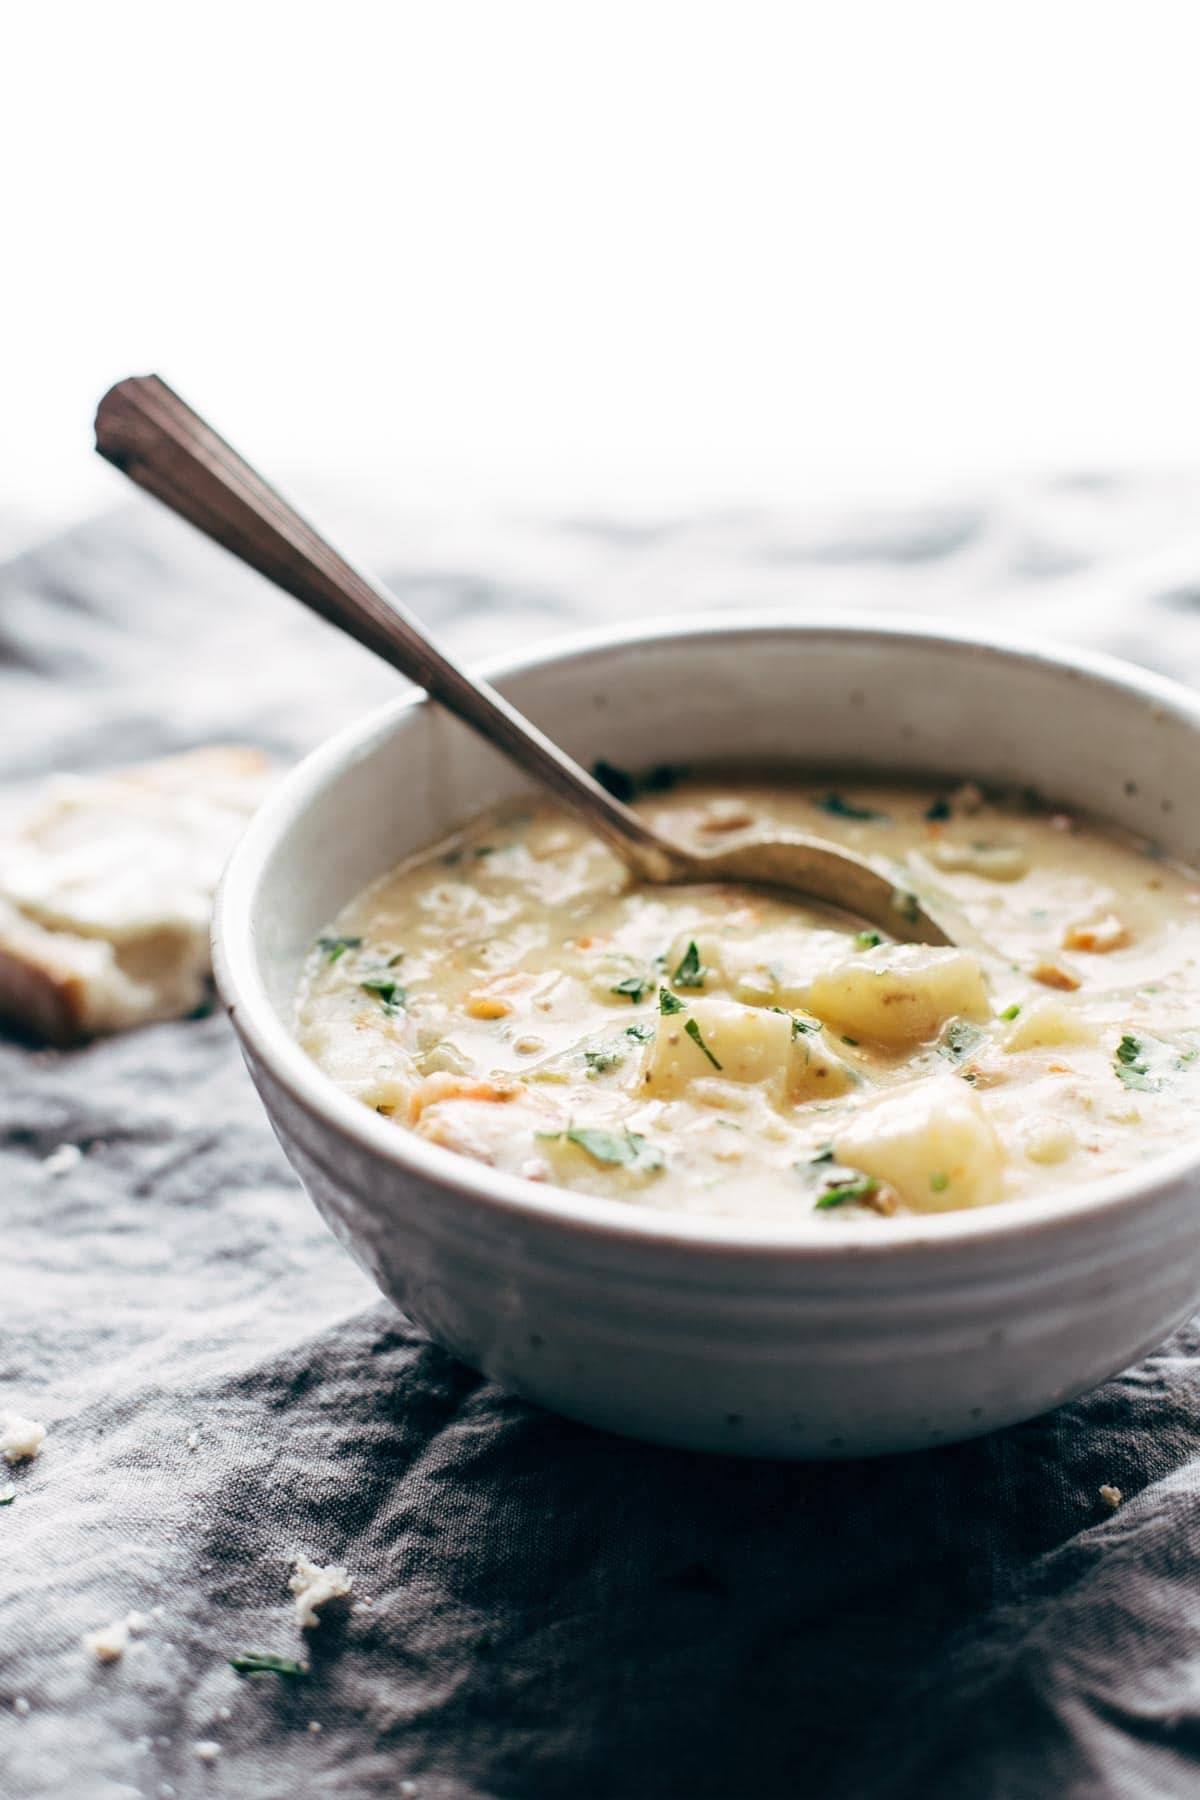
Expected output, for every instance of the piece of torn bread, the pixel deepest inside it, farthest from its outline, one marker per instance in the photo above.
(106, 887)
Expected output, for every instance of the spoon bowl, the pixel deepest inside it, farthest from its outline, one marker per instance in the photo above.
(797, 863)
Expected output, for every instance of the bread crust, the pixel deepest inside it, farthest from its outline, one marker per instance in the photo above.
(61, 987)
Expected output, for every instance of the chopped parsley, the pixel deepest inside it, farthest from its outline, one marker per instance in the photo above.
(804, 1027)
(390, 995)
(607, 1056)
(669, 1002)
(853, 1042)
(938, 810)
(260, 1662)
(1144, 1062)
(634, 988)
(1132, 1067)
(1010, 1012)
(959, 1041)
(8, 1495)
(859, 1187)
(867, 940)
(823, 1155)
(337, 946)
(839, 808)
(939, 1182)
(615, 1149)
(693, 1031)
(691, 971)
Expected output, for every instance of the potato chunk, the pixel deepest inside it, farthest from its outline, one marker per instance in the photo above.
(995, 862)
(932, 1141)
(715, 1037)
(1045, 1024)
(815, 1072)
(749, 1044)
(900, 993)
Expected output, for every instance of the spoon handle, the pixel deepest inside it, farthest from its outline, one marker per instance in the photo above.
(155, 438)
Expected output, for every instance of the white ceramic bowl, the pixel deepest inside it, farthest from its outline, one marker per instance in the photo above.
(706, 1332)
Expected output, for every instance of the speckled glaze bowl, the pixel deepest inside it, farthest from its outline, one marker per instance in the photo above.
(882, 1335)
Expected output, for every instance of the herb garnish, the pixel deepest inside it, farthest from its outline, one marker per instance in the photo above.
(607, 1147)
(1132, 1067)
(337, 946)
(825, 1154)
(1137, 1057)
(691, 971)
(939, 1182)
(390, 995)
(844, 809)
(669, 1002)
(867, 940)
(634, 987)
(693, 1031)
(804, 1027)
(858, 1188)
(8, 1495)
(260, 1662)
(959, 1041)
(607, 1056)
(1010, 1012)
(938, 810)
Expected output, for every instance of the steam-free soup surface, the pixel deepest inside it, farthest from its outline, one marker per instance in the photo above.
(516, 996)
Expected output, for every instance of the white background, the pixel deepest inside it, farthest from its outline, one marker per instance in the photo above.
(645, 251)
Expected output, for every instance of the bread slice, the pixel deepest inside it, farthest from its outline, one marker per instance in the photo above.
(106, 886)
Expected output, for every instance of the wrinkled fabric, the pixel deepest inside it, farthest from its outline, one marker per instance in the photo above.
(539, 1610)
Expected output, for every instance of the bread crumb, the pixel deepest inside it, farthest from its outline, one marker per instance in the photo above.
(22, 1707)
(314, 1725)
(1111, 1496)
(20, 1439)
(225, 1713)
(136, 1623)
(314, 1586)
(108, 1644)
(192, 1440)
(63, 1159)
(408, 1788)
(206, 1750)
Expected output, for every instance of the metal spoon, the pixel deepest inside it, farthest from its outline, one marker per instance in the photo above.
(152, 436)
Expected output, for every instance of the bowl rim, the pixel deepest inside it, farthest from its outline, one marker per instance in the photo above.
(618, 1222)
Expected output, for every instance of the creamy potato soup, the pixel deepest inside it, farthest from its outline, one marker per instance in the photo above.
(515, 995)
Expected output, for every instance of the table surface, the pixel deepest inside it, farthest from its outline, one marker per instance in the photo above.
(541, 1610)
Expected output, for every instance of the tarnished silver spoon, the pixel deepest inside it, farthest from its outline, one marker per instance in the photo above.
(152, 436)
